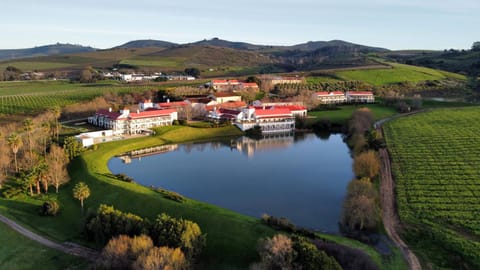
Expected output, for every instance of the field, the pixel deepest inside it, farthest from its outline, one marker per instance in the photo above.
(344, 112)
(435, 162)
(32, 97)
(398, 73)
(34, 65)
(231, 237)
(26, 254)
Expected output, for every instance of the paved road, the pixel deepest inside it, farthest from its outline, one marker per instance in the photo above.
(69, 248)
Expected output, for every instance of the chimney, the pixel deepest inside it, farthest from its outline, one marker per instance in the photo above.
(138, 111)
(110, 109)
(168, 100)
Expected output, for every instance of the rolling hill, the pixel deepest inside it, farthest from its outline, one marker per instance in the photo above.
(55, 49)
(146, 43)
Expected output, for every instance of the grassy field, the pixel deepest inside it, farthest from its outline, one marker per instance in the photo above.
(435, 162)
(231, 237)
(344, 112)
(19, 252)
(33, 65)
(169, 63)
(398, 73)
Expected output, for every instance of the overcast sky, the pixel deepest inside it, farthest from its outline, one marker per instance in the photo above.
(392, 24)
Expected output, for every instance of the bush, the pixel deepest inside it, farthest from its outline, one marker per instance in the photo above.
(348, 258)
(309, 257)
(174, 196)
(279, 223)
(124, 178)
(49, 208)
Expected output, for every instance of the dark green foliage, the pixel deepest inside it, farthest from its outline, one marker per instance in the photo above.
(12, 189)
(72, 147)
(348, 258)
(174, 196)
(124, 178)
(195, 72)
(279, 223)
(49, 208)
(255, 132)
(108, 222)
(172, 232)
(310, 258)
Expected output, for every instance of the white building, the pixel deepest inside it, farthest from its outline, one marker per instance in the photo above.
(126, 122)
(90, 138)
(336, 97)
(360, 97)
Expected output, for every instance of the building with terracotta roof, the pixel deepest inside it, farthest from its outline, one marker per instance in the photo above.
(126, 122)
(360, 97)
(231, 85)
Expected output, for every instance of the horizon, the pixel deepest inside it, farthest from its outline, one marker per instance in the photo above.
(394, 25)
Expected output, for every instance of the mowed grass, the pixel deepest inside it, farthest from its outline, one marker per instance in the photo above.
(19, 252)
(231, 237)
(396, 74)
(435, 162)
(344, 113)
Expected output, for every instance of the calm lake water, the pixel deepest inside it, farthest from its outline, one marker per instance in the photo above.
(302, 178)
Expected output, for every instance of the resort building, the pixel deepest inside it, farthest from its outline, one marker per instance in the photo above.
(126, 122)
(336, 97)
(270, 120)
(359, 97)
(285, 80)
(232, 85)
(223, 97)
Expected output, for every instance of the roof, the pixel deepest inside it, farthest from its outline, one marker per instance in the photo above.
(225, 82)
(272, 112)
(199, 100)
(288, 107)
(225, 94)
(151, 113)
(360, 93)
(227, 111)
(172, 104)
(250, 84)
(335, 93)
(230, 104)
(111, 115)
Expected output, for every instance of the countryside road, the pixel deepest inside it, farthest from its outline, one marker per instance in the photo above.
(69, 248)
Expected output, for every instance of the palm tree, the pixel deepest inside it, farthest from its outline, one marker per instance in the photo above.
(28, 128)
(46, 134)
(81, 192)
(56, 111)
(15, 143)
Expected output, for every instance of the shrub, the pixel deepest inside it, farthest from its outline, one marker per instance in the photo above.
(366, 164)
(348, 258)
(122, 251)
(276, 252)
(124, 177)
(279, 223)
(174, 196)
(49, 208)
(309, 257)
(161, 258)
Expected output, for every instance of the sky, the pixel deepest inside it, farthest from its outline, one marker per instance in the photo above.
(392, 24)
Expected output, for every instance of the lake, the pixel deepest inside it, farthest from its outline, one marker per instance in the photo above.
(302, 177)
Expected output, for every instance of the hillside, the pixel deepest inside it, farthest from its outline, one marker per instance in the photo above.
(44, 51)
(146, 43)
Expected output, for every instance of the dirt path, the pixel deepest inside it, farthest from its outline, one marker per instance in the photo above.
(69, 248)
(389, 216)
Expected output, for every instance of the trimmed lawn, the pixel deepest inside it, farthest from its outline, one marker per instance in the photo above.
(19, 252)
(342, 115)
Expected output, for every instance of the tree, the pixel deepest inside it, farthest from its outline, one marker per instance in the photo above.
(86, 75)
(81, 192)
(361, 121)
(476, 46)
(56, 112)
(277, 252)
(72, 147)
(40, 172)
(28, 128)
(46, 128)
(122, 251)
(360, 212)
(49, 208)
(57, 166)
(366, 164)
(195, 72)
(161, 258)
(310, 258)
(15, 143)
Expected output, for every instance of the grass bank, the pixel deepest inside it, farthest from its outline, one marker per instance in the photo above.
(341, 114)
(231, 237)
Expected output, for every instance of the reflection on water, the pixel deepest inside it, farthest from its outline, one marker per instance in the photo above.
(303, 178)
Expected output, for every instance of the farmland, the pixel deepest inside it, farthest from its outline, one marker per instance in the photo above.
(436, 165)
(397, 73)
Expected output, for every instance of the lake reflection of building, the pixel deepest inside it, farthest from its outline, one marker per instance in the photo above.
(275, 141)
(138, 154)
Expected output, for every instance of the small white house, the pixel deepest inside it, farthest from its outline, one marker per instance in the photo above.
(90, 138)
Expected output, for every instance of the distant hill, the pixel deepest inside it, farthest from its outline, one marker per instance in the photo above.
(44, 51)
(316, 45)
(464, 61)
(146, 43)
(229, 44)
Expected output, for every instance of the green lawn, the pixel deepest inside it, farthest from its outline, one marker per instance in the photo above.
(19, 252)
(342, 115)
(155, 62)
(398, 73)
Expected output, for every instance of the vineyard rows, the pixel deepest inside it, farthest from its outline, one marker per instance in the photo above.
(436, 166)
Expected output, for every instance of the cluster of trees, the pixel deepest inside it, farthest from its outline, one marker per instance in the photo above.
(139, 252)
(361, 206)
(108, 222)
(30, 155)
(283, 252)
(403, 104)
